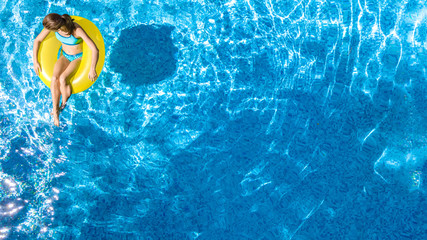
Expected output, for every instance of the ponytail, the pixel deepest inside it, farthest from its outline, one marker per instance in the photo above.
(68, 23)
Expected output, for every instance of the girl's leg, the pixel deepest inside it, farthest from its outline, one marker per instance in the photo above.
(64, 86)
(59, 67)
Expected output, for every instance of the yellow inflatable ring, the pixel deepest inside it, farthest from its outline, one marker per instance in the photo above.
(48, 53)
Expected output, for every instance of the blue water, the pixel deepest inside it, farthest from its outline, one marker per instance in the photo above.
(255, 119)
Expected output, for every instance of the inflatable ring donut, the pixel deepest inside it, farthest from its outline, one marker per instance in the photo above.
(79, 80)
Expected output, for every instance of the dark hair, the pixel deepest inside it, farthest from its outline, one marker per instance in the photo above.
(54, 21)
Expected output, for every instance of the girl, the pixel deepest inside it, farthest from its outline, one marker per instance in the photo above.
(71, 35)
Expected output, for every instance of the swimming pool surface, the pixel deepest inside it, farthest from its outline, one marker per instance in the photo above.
(212, 119)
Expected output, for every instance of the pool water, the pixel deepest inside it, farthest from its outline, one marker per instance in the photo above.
(212, 119)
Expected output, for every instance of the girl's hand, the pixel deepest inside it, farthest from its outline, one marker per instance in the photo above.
(92, 75)
(37, 68)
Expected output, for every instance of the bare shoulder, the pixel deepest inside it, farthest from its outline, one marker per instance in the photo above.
(42, 35)
(79, 30)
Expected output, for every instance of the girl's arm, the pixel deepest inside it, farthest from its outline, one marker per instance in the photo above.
(95, 52)
(36, 46)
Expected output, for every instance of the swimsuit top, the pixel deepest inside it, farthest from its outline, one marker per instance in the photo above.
(71, 40)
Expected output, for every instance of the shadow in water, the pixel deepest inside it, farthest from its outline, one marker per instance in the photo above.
(144, 54)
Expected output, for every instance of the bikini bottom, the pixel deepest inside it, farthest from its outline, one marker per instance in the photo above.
(69, 57)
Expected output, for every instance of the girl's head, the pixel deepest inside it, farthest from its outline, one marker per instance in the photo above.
(54, 22)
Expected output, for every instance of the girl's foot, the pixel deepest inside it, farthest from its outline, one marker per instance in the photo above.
(60, 108)
(56, 117)
(63, 105)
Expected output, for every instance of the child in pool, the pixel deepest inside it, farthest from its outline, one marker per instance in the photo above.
(71, 35)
